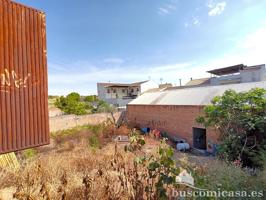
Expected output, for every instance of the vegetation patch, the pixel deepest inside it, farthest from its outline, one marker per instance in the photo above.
(73, 103)
(29, 153)
(241, 120)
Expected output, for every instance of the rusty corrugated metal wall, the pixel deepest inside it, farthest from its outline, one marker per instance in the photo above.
(23, 78)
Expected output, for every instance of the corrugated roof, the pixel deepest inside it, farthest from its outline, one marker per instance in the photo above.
(201, 81)
(192, 96)
(227, 70)
(122, 84)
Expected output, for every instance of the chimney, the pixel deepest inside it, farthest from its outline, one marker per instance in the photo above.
(191, 79)
(180, 83)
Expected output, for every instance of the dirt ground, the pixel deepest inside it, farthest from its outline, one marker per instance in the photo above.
(71, 152)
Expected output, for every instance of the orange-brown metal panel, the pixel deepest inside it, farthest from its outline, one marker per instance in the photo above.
(23, 78)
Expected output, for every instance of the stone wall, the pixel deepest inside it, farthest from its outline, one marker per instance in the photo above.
(64, 122)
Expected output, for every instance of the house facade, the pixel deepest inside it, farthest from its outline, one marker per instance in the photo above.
(231, 75)
(120, 94)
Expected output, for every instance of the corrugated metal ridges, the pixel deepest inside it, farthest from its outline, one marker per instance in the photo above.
(23, 78)
(192, 96)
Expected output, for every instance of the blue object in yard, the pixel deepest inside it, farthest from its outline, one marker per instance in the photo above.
(215, 148)
(145, 130)
(182, 146)
(212, 148)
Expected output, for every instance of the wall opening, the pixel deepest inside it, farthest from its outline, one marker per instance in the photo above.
(199, 138)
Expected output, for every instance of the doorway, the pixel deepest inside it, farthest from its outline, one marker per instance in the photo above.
(199, 138)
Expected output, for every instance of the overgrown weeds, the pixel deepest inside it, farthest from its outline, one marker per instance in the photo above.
(109, 173)
(112, 173)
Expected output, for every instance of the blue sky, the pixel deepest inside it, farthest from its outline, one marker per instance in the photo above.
(92, 41)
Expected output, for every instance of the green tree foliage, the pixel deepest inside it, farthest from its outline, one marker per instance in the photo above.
(71, 104)
(103, 106)
(162, 170)
(91, 102)
(73, 97)
(136, 142)
(91, 98)
(74, 104)
(241, 120)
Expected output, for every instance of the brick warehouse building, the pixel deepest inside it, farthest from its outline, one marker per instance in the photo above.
(175, 111)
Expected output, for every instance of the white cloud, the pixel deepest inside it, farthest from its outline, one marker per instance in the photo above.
(82, 76)
(196, 21)
(170, 67)
(166, 9)
(250, 50)
(255, 40)
(84, 81)
(255, 46)
(216, 8)
(163, 11)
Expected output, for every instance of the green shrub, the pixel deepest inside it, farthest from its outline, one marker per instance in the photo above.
(29, 153)
(91, 98)
(71, 104)
(74, 104)
(104, 107)
(162, 171)
(136, 142)
(229, 177)
(241, 120)
(94, 142)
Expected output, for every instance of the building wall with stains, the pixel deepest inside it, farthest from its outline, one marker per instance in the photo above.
(64, 122)
(175, 120)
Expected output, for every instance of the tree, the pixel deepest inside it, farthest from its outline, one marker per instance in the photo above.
(241, 120)
(71, 104)
(74, 104)
(74, 96)
(103, 106)
(91, 98)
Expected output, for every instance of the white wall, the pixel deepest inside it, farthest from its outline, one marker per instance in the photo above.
(148, 85)
(101, 91)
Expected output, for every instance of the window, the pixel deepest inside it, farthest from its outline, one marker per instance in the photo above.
(114, 90)
(108, 90)
(123, 90)
(137, 89)
(132, 90)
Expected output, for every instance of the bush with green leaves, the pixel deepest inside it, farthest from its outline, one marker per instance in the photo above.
(91, 98)
(229, 177)
(29, 153)
(241, 120)
(71, 104)
(136, 142)
(162, 171)
(94, 141)
(103, 106)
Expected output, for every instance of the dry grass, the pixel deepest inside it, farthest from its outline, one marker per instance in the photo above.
(82, 173)
(70, 169)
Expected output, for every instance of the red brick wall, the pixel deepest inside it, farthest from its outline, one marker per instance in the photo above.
(176, 120)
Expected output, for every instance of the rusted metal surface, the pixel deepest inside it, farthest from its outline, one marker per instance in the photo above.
(23, 78)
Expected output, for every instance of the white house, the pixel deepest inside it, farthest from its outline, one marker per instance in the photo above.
(120, 94)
